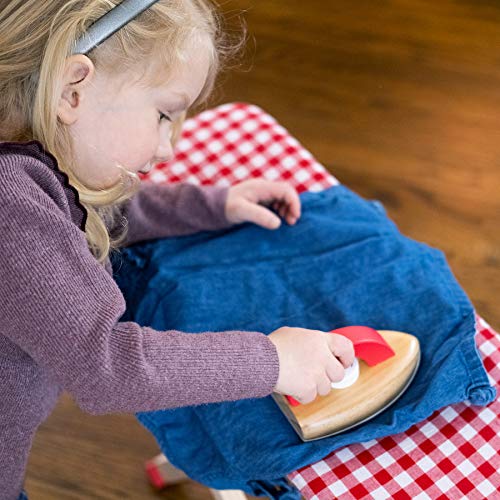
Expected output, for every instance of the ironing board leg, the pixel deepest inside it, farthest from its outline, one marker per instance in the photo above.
(162, 473)
(228, 494)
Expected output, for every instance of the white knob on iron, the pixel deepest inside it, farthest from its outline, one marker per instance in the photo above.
(351, 374)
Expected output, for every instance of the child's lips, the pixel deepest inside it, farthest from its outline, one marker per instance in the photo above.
(146, 169)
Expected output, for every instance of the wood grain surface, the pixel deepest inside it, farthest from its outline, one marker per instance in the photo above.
(400, 100)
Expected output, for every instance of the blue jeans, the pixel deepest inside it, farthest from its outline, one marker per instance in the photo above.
(344, 263)
(23, 496)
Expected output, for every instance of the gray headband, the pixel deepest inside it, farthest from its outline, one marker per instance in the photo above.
(110, 23)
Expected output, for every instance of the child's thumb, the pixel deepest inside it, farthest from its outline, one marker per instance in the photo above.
(261, 216)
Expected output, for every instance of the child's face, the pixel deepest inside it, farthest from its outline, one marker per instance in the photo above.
(120, 124)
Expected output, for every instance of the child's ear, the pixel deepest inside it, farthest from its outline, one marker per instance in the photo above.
(78, 72)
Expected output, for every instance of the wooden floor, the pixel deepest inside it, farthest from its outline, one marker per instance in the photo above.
(398, 99)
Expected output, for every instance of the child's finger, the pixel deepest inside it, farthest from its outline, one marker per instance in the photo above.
(278, 206)
(290, 219)
(260, 215)
(283, 209)
(290, 212)
(293, 201)
(283, 198)
(290, 199)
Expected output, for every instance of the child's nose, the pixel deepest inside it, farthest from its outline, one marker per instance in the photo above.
(165, 151)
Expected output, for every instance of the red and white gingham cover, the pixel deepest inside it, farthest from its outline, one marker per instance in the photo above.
(453, 454)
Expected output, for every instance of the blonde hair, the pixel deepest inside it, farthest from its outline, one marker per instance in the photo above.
(37, 37)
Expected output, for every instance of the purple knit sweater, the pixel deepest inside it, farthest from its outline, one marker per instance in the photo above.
(59, 312)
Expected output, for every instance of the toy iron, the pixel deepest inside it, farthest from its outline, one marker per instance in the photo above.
(387, 364)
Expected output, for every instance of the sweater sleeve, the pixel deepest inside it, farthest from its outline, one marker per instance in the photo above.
(162, 210)
(63, 309)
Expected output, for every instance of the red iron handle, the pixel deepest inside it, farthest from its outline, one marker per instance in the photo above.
(368, 344)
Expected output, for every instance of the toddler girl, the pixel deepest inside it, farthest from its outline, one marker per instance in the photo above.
(91, 93)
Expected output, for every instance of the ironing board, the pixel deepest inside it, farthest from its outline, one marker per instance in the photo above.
(455, 453)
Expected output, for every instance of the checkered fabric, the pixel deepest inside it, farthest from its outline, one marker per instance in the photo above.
(455, 453)
(233, 142)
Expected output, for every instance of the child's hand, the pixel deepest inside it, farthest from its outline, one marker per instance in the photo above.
(310, 360)
(245, 203)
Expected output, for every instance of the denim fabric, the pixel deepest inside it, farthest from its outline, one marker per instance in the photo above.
(344, 263)
(23, 496)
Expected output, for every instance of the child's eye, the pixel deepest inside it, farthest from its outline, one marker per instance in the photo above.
(164, 116)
